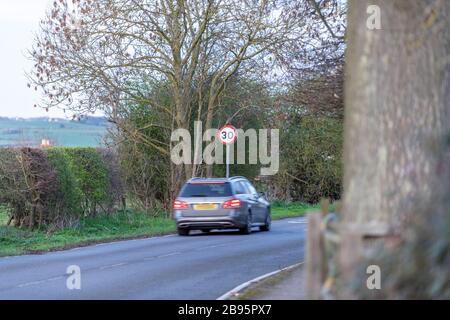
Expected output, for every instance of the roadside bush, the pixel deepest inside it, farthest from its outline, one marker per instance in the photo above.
(58, 185)
(146, 175)
(28, 184)
(68, 195)
(145, 169)
(115, 190)
(310, 160)
(92, 177)
(12, 184)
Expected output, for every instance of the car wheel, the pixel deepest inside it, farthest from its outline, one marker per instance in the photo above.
(248, 228)
(267, 225)
(183, 231)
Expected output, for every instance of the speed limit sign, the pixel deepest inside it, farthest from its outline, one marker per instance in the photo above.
(227, 134)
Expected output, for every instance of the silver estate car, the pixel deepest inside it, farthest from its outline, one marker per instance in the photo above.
(220, 203)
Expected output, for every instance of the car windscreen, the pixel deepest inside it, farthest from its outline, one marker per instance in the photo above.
(205, 189)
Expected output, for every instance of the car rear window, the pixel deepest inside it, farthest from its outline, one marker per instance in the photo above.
(205, 189)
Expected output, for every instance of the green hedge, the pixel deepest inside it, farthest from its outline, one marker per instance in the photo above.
(68, 193)
(91, 175)
(310, 160)
(58, 185)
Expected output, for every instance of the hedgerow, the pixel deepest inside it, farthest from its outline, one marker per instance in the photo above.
(68, 197)
(58, 185)
(92, 177)
(310, 160)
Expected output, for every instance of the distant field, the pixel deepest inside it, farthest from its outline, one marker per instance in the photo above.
(30, 132)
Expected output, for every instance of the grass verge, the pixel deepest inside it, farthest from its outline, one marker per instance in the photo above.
(120, 226)
(281, 210)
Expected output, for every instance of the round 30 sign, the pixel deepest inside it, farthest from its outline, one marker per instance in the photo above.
(227, 134)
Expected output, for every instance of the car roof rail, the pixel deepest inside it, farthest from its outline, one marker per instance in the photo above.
(205, 178)
(195, 178)
(212, 178)
(237, 177)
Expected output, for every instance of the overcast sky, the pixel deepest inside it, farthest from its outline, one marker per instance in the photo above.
(19, 19)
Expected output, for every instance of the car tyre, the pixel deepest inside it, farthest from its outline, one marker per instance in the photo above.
(267, 225)
(183, 231)
(248, 228)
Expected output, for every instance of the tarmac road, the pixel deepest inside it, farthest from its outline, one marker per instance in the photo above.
(201, 266)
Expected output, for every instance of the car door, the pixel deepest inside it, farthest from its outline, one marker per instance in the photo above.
(259, 212)
(241, 192)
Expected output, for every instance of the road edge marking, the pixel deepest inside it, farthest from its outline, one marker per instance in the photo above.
(245, 285)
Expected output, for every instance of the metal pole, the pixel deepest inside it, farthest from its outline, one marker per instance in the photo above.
(228, 160)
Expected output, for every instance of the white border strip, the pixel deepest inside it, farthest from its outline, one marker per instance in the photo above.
(244, 285)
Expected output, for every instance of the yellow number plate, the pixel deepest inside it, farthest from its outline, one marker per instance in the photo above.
(205, 206)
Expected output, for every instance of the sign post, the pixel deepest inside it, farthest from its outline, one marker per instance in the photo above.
(227, 136)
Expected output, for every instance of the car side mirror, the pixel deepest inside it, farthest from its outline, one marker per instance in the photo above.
(262, 195)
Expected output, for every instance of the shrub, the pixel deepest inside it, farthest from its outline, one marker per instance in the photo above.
(12, 184)
(146, 175)
(57, 185)
(310, 160)
(68, 195)
(28, 184)
(92, 177)
(146, 170)
(115, 190)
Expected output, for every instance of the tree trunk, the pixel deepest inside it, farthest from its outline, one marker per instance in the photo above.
(176, 177)
(397, 117)
(31, 217)
(208, 125)
(397, 122)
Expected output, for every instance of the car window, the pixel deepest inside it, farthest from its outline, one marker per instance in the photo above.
(250, 187)
(244, 185)
(202, 189)
(239, 188)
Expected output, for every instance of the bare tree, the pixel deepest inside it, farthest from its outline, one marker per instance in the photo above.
(319, 95)
(106, 55)
(314, 64)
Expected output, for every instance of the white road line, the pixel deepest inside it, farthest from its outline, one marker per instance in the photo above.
(27, 284)
(112, 266)
(30, 283)
(149, 258)
(213, 246)
(244, 285)
(55, 278)
(210, 247)
(168, 255)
